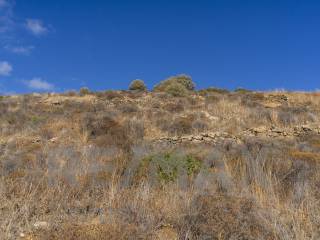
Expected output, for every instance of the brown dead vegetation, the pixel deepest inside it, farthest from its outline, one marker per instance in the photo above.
(87, 167)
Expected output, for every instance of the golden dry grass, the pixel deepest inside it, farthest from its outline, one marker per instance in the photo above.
(88, 167)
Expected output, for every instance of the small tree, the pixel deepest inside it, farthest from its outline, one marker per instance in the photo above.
(177, 86)
(184, 80)
(137, 85)
(176, 89)
(84, 91)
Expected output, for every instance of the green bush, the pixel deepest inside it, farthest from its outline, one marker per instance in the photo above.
(169, 166)
(84, 91)
(137, 85)
(179, 81)
(176, 89)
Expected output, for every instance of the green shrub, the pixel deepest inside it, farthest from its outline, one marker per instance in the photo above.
(176, 89)
(183, 81)
(137, 85)
(84, 91)
(169, 166)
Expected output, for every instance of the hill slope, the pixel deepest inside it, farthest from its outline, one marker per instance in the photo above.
(138, 165)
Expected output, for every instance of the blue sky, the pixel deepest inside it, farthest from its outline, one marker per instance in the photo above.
(61, 45)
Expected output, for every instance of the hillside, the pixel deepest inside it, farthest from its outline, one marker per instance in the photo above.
(209, 164)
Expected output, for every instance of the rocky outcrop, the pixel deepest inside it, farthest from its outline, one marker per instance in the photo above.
(209, 137)
(262, 131)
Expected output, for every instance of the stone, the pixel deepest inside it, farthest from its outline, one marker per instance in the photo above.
(261, 129)
(306, 128)
(41, 225)
(36, 140)
(53, 140)
(199, 138)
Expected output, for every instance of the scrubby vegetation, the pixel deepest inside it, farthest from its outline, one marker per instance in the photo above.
(211, 164)
(84, 91)
(177, 86)
(137, 85)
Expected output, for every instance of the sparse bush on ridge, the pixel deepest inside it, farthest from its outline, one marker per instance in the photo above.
(84, 91)
(176, 86)
(209, 90)
(176, 89)
(184, 80)
(242, 90)
(137, 85)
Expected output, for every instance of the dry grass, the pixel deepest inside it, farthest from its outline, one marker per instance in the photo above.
(77, 167)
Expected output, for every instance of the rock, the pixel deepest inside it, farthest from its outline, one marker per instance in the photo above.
(198, 138)
(37, 140)
(196, 141)
(53, 140)
(56, 103)
(306, 128)
(186, 138)
(261, 129)
(277, 130)
(175, 139)
(41, 225)
(207, 139)
(211, 135)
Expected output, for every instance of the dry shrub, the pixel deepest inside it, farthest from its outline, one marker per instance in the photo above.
(211, 99)
(309, 157)
(109, 95)
(200, 125)
(259, 115)
(128, 108)
(252, 99)
(181, 126)
(175, 106)
(295, 115)
(108, 130)
(78, 231)
(314, 141)
(223, 217)
(163, 120)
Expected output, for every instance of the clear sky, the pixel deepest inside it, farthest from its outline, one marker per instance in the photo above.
(60, 45)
